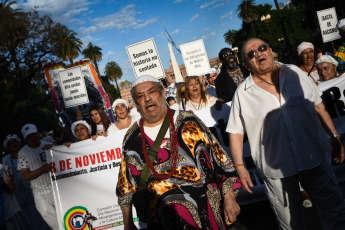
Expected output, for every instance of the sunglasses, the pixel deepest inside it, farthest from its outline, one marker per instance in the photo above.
(253, 53)
(228, 54)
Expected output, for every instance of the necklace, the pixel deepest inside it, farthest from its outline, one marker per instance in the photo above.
(196, 103)
(277, 85)
(237, 69)
(173, 146)
(309, 73)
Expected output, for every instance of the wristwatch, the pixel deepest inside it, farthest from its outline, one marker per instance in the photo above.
(335, 135)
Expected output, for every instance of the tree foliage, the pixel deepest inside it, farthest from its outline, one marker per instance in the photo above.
(94, 53)
(247, 11)
(114, 72)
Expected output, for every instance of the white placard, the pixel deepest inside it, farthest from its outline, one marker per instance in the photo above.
(328, 20)
(145, 59)
(195, 58)
(73, 87)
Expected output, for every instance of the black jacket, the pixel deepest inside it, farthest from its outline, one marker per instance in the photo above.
(225, 86)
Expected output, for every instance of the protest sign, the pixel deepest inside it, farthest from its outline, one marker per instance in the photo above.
(73, 87)
(94, 88)
(195, 58)
(145, 59)
(328, 21)
(84, 180)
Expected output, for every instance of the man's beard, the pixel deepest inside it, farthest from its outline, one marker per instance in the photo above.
(232, 65)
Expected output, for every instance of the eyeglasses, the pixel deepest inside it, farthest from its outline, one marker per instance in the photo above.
(228, 54)
(253, 53)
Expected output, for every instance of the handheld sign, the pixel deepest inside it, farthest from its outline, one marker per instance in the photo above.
(328, 20)
(145, 59)
(195, 58)
(73, 87)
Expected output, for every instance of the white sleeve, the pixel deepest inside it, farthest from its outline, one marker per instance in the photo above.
(235, 122)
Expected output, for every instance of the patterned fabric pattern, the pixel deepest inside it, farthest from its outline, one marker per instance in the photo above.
(192, 198)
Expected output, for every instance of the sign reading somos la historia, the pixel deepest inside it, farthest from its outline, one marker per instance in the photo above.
(195, 58)
(73, 87)
(145, 59)
(328, 20)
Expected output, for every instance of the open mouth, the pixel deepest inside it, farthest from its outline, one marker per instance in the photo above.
(261, 59)
(150, 107)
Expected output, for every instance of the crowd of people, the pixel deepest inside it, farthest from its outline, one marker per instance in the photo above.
(175, 172)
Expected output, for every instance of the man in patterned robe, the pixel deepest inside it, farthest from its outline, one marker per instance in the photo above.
(200, 194)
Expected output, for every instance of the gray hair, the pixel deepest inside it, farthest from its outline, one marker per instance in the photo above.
(243, 55)
(160, 87)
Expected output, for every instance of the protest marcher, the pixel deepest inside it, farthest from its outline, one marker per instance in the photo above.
(81, 130)
(326, 65)
(306, 55)
(181, 95)
(47, 138)
(23, 191)
(281, 111)
(14, 217)
(100, 122)
(211, 89)
(196, 97)
(123, 120)
(171, 89)
(340, 54)
(33, 164)
(192, 180)
(231, 75)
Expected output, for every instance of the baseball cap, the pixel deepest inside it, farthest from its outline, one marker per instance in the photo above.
(28, 129)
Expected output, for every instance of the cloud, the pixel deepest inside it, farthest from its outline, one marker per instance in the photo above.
(208, 35)
(109, 54)
(88, 39)
(73, 12)
(213, 4)
(206, 29)
(123, 20)
(178, 1)
(175, 32)
(194, 17)
(52, 6)
(227, 15)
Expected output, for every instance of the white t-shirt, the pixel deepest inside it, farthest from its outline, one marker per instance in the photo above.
(198, 106)
(100, 129)
(34, 159)
(113, 127)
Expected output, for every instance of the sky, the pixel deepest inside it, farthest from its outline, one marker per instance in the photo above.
(114, 24)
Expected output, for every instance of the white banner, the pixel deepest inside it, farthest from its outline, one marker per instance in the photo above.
(145, 59)
(84, 183)
(328, 21)
(73, 87)
(195, 58)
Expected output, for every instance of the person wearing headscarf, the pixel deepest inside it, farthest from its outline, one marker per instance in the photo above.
(326, 65)
(340, 54)
(123, 119)
(306, 54)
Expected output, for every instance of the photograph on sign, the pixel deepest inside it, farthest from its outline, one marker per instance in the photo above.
(145, 59)
(328, 21)
(195, 58)
(73, 87)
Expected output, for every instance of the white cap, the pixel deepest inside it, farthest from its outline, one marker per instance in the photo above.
(28, 129)
(341, 24)
(213, 70)
(78, 123)
(303, 46)
(119, 101)
(144, 78)
(10, 137)
(326, 58)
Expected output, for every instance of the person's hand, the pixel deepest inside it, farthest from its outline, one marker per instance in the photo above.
(337, 150)
(8, 179)
(219, 104)
(105, 134)
(45, 168)
(231, 207)
(245, 178)
(94, 137)
(67, 144)
(48, 146)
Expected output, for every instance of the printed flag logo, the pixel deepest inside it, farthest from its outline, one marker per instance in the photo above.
(74, 219)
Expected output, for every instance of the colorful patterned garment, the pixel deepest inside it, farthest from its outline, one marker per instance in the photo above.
(192, 198)
(340, 57)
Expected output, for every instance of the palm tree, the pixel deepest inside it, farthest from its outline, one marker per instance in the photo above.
(67, 45)
(113, 71)
(229, 37)
(94, 54)
(248, 12)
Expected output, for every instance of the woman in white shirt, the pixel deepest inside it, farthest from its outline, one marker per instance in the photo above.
(123, 121)
(196, 97)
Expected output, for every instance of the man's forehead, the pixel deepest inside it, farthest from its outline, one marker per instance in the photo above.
(324, 64)
(145, 86)
(253, 44)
